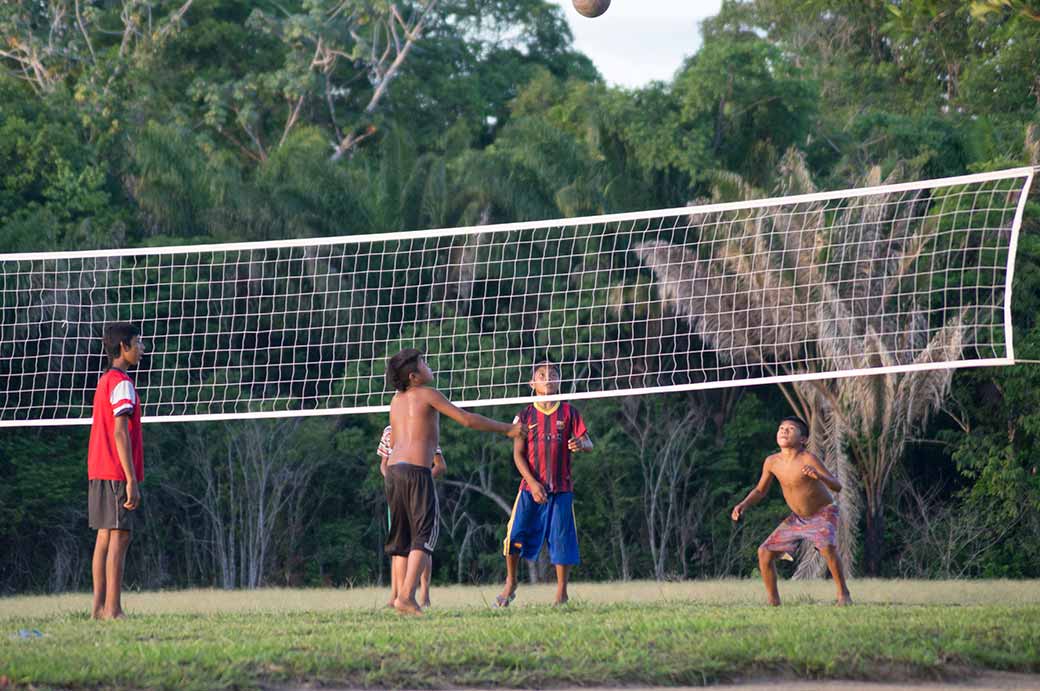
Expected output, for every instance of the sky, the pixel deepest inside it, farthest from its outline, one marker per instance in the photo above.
(638, 41)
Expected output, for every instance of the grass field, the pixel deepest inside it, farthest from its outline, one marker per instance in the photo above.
(688, 633)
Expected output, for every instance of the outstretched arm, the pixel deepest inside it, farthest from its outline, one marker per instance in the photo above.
(757, 494)
(817, 471)
(468, 419)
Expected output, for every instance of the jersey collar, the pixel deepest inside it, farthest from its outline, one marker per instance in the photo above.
(546, 408)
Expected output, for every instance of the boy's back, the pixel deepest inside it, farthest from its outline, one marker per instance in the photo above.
(416, 425)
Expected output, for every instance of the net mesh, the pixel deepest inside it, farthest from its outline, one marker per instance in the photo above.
(889, 278)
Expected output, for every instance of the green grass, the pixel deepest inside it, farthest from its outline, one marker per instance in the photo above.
(612, 634)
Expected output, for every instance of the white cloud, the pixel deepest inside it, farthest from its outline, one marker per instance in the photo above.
(638, 41)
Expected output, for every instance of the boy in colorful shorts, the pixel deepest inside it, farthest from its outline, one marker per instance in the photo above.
(807, 486)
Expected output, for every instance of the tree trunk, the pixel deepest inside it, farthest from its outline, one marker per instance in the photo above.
(874, 539)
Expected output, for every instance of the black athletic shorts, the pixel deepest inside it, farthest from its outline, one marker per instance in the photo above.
(105, 510)
(414, 511)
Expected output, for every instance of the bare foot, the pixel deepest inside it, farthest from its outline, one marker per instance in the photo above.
(561, 601)
(407, 606)
(844, 600)
(119, 614)
(390, 603)
(773, 601)
(425, 603)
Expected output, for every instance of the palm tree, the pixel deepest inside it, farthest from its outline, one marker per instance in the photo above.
(819, 287)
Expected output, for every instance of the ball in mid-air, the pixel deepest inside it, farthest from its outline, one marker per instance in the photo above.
(591, 8)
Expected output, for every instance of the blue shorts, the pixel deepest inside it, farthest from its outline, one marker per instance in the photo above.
(532, 524)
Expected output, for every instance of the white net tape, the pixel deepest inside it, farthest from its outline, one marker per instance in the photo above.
(892, 278)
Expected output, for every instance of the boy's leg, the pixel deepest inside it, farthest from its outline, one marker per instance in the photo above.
(562, 573)
(767, 565)
(118, 542)
(398, 565)
(98, 569)
(423, 516)
(837, 573)
(509, 589)
(399, 537)
(393, 561)
(405, 602)
(524, 536)
(424, 584)
(563, 540)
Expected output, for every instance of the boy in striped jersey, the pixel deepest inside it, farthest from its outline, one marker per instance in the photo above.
(386, 444)
(544, 506)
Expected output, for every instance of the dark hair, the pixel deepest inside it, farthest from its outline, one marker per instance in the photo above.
(117, 334)
(544, 363)
(802, 427)
(400, 366)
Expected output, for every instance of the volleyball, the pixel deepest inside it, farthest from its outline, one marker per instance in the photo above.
(591, 8)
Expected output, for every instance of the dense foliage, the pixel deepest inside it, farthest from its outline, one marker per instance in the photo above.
(152, 122)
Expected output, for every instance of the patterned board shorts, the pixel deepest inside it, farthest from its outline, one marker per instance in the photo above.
(821, 528)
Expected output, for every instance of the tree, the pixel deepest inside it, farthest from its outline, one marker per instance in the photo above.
(252, 478)
(761, 306)
(664, 434)
(743, 95)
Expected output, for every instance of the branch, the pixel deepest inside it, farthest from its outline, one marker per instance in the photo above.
(290, 122)
(175, 18)
(386, 77)
(83, 30)
(493, 496)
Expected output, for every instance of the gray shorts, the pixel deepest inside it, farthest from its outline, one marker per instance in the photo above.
(105, 510)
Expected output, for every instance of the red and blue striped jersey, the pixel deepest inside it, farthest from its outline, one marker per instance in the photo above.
(546, 444)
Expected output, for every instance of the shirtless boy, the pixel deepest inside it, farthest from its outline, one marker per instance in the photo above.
(415, 419)
(807, 487)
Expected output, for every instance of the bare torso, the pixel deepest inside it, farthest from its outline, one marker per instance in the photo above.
(804, 495)
(416, 426)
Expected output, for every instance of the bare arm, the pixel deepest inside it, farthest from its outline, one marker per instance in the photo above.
(122, 439)
(757, 494)
(384, 460)
(816, 470)
(468, 419)
(520, 461)
(439, 466)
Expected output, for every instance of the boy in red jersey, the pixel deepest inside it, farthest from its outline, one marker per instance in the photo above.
(115, 466)
(544, 506)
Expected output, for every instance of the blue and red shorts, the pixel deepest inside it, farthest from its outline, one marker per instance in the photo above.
(532, 524)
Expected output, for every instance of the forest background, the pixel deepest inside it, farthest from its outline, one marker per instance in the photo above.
(149, 122)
